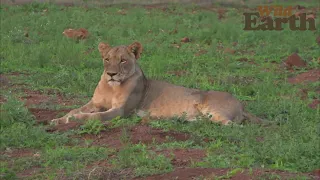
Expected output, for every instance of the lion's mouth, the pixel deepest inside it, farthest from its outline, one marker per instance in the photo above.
(113, 80)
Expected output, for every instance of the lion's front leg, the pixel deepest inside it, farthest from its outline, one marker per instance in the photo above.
(88, 108)
(102, 116)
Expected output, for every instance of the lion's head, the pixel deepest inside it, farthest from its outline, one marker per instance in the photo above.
(119, 62)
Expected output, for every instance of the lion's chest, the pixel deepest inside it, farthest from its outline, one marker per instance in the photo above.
(102, 102)
(102, 97)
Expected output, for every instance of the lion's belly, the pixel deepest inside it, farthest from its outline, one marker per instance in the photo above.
(166, 101)
(170, 110)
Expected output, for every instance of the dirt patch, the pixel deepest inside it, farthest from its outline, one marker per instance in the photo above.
(310, 76)
(44, 115)
(18, 74)
(315, 104)
(316, 173)
(2, 99)
(186, 174)
(62, 100)
(102, 163)
(221, 13)
(294, 60)
(183, 157)
(17, 153)
(147, 135)
(110, 138)
(116, 137)
(37, 98)
(29, 172)
(211, 173)
(4, 81)
(34, 97)
(303, 93)
(101, 172)
(64, 127)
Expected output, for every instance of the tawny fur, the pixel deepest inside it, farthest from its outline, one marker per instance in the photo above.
(123, 90)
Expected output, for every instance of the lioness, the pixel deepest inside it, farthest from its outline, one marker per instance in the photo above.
(123, 89)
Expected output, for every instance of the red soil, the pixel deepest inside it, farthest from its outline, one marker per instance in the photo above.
(310, 76)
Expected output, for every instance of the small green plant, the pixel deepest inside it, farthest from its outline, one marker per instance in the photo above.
(6, 173)
(71, 158)
(125, 136)
(143, 161)
(92, 127)
(230, 173)
(120, 121)
(14, 111)
(17, 128)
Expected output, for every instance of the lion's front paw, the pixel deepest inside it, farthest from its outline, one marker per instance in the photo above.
(226, 122)
(60, 121)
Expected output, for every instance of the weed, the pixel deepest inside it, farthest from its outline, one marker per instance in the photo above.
(230, 174)
(14, 111)
(125, 136)
(143, 161)
(92, 127)
(17, 130)
(70, 159)
(6, 173)
(121, 122)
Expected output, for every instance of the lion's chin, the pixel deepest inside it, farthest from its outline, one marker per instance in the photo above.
(114, 83)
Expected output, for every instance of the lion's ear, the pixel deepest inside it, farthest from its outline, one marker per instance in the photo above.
(103, 47)
(136, 49)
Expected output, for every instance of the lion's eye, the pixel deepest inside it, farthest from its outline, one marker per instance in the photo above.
(106, 59)
(123, 61)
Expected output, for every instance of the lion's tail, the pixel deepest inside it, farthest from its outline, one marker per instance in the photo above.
(254, 119)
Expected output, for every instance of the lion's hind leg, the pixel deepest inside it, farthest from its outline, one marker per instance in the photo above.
(219, 118)
(214, 115)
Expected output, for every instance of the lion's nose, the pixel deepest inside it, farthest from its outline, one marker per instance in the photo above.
(111, 74)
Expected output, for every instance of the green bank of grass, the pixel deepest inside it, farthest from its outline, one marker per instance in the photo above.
(142, 161)
(18, 132)
(74, 68)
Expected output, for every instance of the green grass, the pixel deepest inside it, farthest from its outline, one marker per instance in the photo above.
(54, 62)
(17, 130)
(143, 162)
